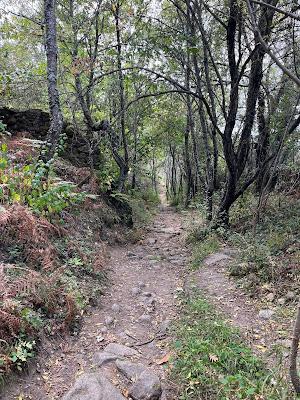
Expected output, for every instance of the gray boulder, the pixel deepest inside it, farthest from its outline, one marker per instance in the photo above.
(103, 357)
(93, 387)
(120, 350)
(130, 370)
(147, 387)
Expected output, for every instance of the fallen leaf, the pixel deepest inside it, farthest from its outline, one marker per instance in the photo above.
(213, 358)
(45, 376)
(263, 349)
(164, 360)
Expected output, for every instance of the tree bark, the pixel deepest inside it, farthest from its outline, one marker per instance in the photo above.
(294, 352)
(125, 169)
(56, 118)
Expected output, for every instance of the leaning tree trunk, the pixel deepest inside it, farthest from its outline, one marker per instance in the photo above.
(56, 119)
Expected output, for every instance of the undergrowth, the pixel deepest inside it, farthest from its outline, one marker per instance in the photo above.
(209, 245)
(269, 259)
(213, 363)
(49, 271)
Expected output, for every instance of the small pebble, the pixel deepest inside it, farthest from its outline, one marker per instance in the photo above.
(145, 318)
(109, 320)
(115, 308)
(135, 291)
(147, 294)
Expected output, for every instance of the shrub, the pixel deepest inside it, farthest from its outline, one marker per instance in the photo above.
(26, 183)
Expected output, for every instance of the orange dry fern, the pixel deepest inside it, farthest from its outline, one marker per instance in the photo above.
(18, 225)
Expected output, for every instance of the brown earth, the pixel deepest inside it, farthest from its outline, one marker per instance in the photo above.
(137, 309)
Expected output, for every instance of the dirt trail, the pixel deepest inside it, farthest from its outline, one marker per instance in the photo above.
(256, 321)
(137, 308)
(136, 311)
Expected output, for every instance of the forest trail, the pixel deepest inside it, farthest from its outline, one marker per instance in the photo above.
(136, 311)
(136, 308)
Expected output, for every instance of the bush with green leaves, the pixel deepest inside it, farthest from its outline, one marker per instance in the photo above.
(29, 184)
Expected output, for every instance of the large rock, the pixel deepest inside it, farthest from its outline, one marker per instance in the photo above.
(129, 369)
(103, 357)
(93, 387)
(147, 387)
(36, 122)
(217, 258)
(120, 350)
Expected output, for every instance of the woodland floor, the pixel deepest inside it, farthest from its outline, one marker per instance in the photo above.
(142, 300)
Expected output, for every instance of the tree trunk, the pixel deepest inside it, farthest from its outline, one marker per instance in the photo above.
(123, 171)
(294, 352)
(56, 118)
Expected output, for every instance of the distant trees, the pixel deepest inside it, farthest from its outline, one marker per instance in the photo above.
(214, 65)
(236, 85)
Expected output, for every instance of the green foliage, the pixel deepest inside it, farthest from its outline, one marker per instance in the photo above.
(33, 318)
(272, 255)
(212, 362)
(2, 127)
(26, 184)
(204, 248)
(22, 352)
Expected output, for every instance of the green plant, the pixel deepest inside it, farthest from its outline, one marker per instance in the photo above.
(27, 184)
(203, 249)
(31, 317)
(2, 127)
(212, 362)
(22, 352)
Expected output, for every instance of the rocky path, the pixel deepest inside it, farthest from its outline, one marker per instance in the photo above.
(126, 340)
(123, 348)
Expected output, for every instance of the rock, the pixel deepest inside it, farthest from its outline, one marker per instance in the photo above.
(130, 254)
(141, 285)
(109, 320)
(93, 387)
(129, 369)
(290, 295)
(104, 329)
(145, 318)
(286, 343)
(147, 294)
(270, 297)
(163, 328)
(120, 350)
(164, 396)
(266, 314)
(103, 357)
(147, 387)
(115, 308)
(135, 291)
(216, 259)
(281, 301)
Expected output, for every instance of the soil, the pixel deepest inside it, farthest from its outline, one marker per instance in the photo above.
(154, 268)
(136, 310)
